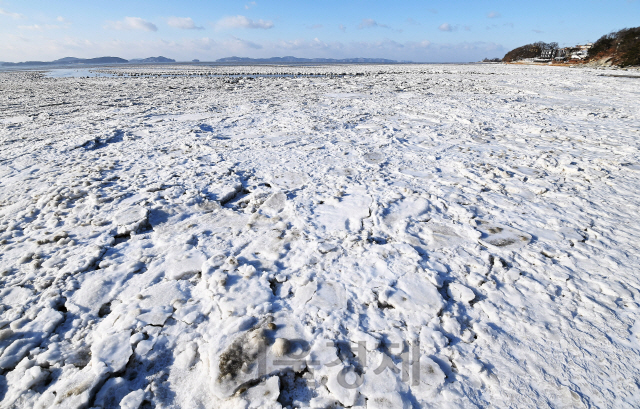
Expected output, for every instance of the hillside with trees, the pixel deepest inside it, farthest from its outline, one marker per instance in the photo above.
(623, 47)
(528, 51)
(620, 48)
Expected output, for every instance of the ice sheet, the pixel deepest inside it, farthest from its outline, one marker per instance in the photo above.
(332, 236)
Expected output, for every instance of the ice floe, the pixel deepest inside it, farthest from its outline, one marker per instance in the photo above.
(357, 236)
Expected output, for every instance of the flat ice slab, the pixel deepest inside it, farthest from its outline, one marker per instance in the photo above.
(328, 236)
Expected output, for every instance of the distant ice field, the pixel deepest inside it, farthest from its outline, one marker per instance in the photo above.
(361, 236)
(110, 73)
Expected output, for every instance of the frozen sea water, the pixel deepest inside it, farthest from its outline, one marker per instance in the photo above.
(76, 73)
(110, 72)
(329, 236)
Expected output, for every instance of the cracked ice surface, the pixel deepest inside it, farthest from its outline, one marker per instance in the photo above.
(412, 236)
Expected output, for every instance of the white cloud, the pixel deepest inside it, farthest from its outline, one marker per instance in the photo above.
(32, 27)
(14, 38)
(493, 14)
(38, 27)
(185, 23)
(370, 23)
(41, 27)
(250, 4)
(446, 27)
(498, 27)
(315, 26)
(242, 22)
(239, 43)
(305, 45)
(411, 50)
(14, 16)
(132, 23)
(47, 48)
(342, 28)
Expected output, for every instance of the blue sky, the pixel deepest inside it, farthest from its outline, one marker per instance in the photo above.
(422, 31)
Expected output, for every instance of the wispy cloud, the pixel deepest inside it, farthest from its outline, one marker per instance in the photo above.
(446, 27)
(41, 27)
(14, 16)
(14, 39)
(250, 5)
(537, 31)
(370, 23)
(412, 22)
(132, 23)
(493, 14)
(497, 27)
(239, 43)
(38, 27)
(242, 22)
(207, 49)
(185, 23)
(299, 45)
(342, 28)
(316, 26)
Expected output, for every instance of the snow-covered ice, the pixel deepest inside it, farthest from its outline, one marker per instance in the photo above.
(320, 236)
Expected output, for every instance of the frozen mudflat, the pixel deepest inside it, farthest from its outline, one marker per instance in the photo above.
(368, 237)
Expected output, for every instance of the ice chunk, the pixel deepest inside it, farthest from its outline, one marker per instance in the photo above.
(234, 363)
(156, 316)
(335, 384)
(187, 357)
(32, 376)
(460, 293)
(133, 400)
(246, 270)
(411, 207)
(189, 312)
(112, 393)
(414, 296)
(181, 263)
(289, 180)
(101, 287)
(280, 347)
(264, 395)
(387, 400)
(131, 219)
(374, 157)
(114, 351)
(431, 375)
(31, 333)
(15, 295)
(329, 296)
(345, 214)
(498, 235)
(74, 389)
(274, 204)
(6, 333)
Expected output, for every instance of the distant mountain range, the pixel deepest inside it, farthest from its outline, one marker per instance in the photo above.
(99, 60)
(117, 60)
(290, 59)
(152, 59)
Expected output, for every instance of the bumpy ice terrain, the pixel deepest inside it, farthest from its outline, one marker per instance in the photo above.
(350, 236)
